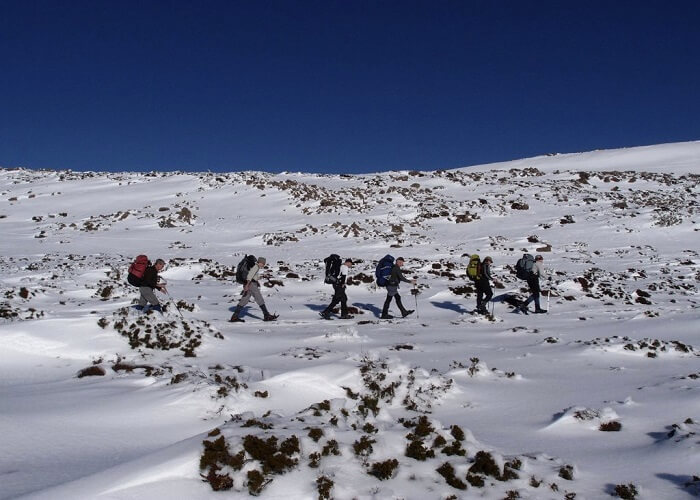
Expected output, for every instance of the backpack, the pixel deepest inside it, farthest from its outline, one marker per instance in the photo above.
(136, 270)
(474, 267)
(244, 266)
(332, 269)
(523, 268)
(383, 270)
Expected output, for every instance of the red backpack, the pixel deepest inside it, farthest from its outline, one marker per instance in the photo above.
(136, 270)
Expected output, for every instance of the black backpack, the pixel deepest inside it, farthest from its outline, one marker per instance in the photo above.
(332, 268)
(523, 268)
(243, 267)
(383, 270)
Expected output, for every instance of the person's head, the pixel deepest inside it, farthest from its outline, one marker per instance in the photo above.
(261, 262)
(348, 262)
(539, 258)
(399, 261)
(488, 260)
(160, 264)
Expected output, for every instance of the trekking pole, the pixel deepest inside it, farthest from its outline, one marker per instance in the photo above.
(415, 296)
(549, 292)
(175, 304)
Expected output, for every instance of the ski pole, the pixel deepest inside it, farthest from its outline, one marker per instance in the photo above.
(549, 292)
(175, 304)
(415, 296)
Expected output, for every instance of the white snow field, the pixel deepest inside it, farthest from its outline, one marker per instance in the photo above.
(599, 397)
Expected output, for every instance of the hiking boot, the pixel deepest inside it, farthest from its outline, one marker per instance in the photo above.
(386, 316)
(156, 308)
(540, 311)
(407, 312)
(523, 309)
(267, 316)
(347, 316)
(325, 315)
(482, 310)
(234, 316)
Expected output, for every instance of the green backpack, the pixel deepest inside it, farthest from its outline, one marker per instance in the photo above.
(474, 267)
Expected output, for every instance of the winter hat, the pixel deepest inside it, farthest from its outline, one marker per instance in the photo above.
(262, 260)
(489, 259)
(539, 257)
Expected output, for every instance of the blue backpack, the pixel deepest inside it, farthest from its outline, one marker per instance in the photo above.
(523, 268)
(383, 270)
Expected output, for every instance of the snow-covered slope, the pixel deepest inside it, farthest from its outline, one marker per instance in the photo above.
(441, 404)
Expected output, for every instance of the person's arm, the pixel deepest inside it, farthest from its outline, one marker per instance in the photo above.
(343, 274)
(540, 269)
(403, 278)
(252, 274)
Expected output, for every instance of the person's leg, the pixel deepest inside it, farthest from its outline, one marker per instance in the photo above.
(390, 292)
(244, 299)
(241, 304)
(147, 296)
(334, 302)
(343, 303)
(142, 300)
(488, 295)
(534, 293)
(403, 310)
(255, 292)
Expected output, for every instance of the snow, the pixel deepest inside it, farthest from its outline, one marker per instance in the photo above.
(620, 343)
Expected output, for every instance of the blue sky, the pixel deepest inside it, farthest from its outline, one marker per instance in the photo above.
(340, 86)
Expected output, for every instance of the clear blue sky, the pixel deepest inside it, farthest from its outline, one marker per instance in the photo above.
(340, 86)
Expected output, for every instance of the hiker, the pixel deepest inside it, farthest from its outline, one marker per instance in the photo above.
(483, 286)
(150, 282)
(252, 289)
(339, 296)
(533, 282)
(392, 290)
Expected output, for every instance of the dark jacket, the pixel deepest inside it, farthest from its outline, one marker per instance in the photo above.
(397, 276)
(485, 272)
(150, 277)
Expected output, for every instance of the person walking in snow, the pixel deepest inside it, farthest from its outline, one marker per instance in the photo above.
(149, 283)
(252, 289)
(392, 290)
(339, 296)
(483, 286)
(533, 283)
